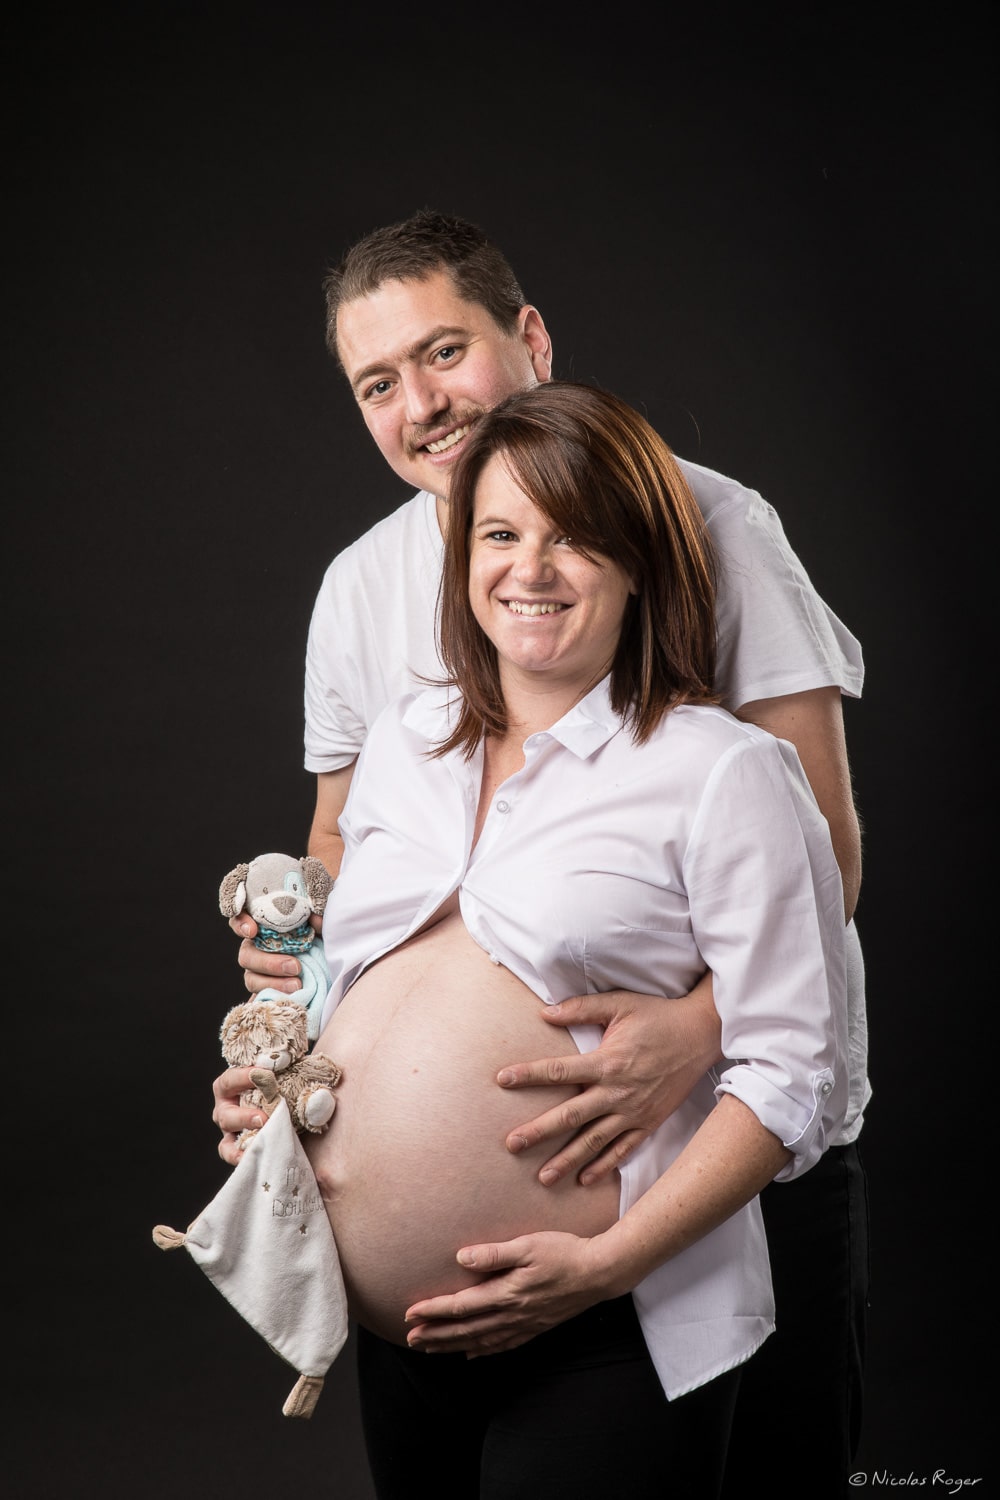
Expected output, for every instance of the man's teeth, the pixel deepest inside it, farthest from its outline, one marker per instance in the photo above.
(449, 441)
(533, 609)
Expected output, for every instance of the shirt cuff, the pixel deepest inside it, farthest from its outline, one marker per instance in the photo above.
(806, 1126)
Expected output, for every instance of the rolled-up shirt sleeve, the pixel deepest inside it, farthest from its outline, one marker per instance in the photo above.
(767, 914)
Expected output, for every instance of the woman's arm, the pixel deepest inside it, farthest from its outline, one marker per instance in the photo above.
(534, 1282)
(652, 1055)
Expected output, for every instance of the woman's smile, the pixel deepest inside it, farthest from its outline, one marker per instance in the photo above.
(527, 607)
(546, 607)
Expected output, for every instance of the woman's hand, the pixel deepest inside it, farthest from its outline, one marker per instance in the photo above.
(653, 1053)
(531, 1284)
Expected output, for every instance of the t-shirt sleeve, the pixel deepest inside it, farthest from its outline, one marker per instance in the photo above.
(372, 632)
(776, 634)
(334, 732)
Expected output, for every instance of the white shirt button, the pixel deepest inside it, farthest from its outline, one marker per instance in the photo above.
(503, 806)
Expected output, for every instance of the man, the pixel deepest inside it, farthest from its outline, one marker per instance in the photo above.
(431, 329)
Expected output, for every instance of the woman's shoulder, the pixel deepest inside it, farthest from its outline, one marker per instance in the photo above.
(706, 723)
(695, 739)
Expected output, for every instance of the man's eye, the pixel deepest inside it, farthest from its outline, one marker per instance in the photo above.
(379, 388)
(446, 352)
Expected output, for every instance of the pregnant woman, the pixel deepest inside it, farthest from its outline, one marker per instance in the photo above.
(571, 813)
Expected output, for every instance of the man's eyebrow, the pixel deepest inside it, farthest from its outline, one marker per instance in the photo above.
(411, 352)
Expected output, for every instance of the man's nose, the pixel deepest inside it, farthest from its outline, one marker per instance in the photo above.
(423, 399)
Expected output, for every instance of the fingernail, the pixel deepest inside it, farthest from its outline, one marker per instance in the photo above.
(290, 966)
(258, 1122)
(245, 928)
(547, 1176)
(466, 1258)
(505, 1078)
(516, 1143)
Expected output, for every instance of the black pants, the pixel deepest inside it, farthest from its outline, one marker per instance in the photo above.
(575, 1414)
(798, 1415)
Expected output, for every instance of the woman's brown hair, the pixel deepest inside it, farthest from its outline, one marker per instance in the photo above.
(596, 468)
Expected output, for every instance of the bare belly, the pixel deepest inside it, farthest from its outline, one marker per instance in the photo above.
(414, 1164)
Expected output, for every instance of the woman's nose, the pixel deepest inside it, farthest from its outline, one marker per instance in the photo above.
(533, 563)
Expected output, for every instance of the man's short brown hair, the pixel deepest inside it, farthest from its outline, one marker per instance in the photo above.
(416, 248)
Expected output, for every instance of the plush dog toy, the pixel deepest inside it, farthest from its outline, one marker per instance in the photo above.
(270, 1037)
(281, 893)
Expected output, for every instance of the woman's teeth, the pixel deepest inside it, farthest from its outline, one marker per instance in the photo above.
(449, 441)
(532, 609)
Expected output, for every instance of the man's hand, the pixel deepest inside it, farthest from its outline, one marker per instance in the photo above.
(653, 1053)
(230, 1115)
(531, 1284)
(263, 970)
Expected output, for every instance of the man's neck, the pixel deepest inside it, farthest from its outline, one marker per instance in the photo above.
(442, 514)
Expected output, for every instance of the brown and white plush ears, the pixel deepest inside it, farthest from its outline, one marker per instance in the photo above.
(318, 882)
(266, 872)
(233, 891)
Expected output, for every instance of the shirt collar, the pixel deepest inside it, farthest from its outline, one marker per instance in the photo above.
(432, 713)
(587, 726)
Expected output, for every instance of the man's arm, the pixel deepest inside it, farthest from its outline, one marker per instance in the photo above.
(230, 1115)
(814, 723)
(325, 841)
(651, 1056)
(281, 971)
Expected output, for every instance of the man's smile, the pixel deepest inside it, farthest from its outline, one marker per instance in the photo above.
(449, 441)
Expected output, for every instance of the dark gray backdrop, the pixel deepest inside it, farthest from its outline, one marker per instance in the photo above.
(769, 232)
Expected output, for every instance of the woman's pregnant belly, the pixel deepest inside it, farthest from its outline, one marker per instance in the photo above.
(414, 1164)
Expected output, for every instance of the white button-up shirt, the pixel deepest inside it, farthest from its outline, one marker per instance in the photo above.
(606, 865)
